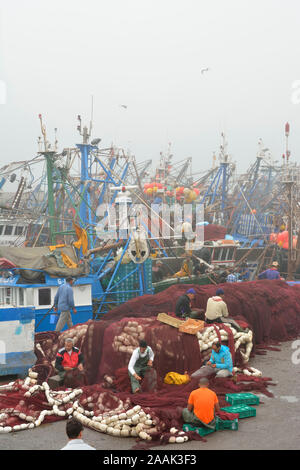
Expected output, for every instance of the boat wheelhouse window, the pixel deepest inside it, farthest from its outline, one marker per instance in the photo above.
(29, 297)
(8, 230)
(7, 296)
(230, 254)
(21, 296)
(218, 254)
(1, 229)
(19, 230)
(45, 296)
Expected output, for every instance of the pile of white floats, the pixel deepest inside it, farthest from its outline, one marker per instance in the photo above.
(120, 422)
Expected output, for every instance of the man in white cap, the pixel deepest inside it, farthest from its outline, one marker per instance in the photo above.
(271, 273)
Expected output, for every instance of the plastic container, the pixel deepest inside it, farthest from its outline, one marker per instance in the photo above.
(232, 425)
(244, 411)
(53, 319)
(201, 431)
(242, 399)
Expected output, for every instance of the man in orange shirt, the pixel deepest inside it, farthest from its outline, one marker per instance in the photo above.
(202, 405)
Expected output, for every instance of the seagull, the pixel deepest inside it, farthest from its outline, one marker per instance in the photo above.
(123, 106)
(204, 70)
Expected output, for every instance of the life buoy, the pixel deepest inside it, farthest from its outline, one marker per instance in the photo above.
(226, 242)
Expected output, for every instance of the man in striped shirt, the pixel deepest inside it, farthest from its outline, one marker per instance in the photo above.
(232, 277)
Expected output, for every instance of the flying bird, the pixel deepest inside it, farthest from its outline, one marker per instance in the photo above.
(204, 70)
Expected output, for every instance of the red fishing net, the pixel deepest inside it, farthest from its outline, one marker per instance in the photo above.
(214, 232)
(271, 309)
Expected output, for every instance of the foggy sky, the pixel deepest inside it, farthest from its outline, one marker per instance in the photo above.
(149, 55)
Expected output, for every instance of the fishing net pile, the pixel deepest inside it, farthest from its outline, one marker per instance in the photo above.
(213, 232)
(271, 310)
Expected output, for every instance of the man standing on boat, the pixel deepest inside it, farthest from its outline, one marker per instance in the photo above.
(64, 302)
(271, 273)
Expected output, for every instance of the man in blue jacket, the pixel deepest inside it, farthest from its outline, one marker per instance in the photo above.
(220, 363)
(64, 301)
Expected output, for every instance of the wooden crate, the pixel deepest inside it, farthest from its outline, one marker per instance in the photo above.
(168, 320)
(192, 326)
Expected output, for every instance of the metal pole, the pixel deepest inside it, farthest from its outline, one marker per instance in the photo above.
(290, 230)
(84, 183)
(224, 185)
(51, 207)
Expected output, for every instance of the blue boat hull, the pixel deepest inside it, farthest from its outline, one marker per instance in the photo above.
(84, 313)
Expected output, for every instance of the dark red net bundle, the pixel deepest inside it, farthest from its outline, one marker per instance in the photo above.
(270, 308)
(214, 232)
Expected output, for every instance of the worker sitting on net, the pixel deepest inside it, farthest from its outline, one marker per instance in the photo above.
(217, 312)
(140, 362)
(183, 305)
(219, 364)
(68, 359)
(202, 405)
(271, 273)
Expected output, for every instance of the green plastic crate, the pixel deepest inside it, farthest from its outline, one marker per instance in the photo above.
(232, 424)
(244, 411)
(242, 399)
(201, 431)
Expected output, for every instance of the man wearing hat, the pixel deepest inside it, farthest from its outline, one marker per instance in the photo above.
(271, 273)
(183, 305)
(140, 362)
(217, 311)
(64, 302)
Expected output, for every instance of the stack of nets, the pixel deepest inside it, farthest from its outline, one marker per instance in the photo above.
(271, 310)
(213, 232)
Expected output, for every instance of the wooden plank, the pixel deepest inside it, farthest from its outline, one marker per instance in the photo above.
(168, 320)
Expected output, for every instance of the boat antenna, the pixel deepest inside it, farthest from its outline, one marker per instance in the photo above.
(43, 129)
(92, 112)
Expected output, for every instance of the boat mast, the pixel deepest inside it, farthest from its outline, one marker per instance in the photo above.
(48, 154)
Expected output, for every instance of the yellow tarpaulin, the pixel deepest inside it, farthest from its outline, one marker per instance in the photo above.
(82, 238)
(53, 247)
(176, 379)
(185, 271)
(66, 259)
(68, 262)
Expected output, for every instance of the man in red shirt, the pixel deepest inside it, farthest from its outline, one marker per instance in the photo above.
(68, 358)
(203, 403)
